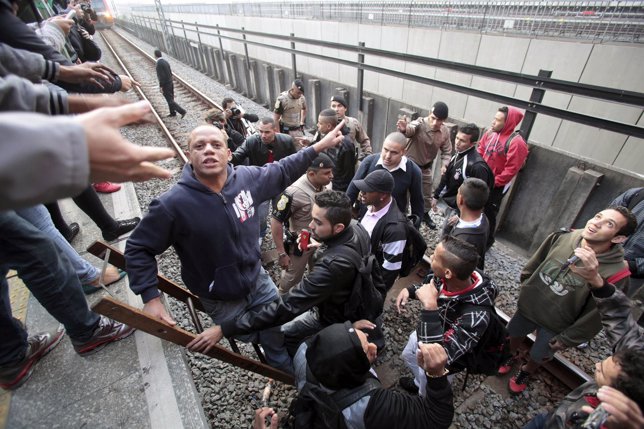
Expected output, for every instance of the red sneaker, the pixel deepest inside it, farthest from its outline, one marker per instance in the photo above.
(106, 187)
(507, 366)
(15, 375)
(519, 382)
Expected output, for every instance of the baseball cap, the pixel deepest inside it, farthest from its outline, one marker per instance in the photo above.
(299, 84)
(376, 181)
(322, 161)
(339, 99)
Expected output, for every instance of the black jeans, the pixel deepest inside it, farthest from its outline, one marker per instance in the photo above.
(492, 210)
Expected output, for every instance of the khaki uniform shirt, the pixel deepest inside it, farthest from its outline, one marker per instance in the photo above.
(296, 204)
(290, 108)
(423, 144)
(358, 135)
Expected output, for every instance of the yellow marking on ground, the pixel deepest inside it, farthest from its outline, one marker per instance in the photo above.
(19, 297)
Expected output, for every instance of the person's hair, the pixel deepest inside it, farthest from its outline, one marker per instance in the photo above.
(214, 114)
(630, 379)
(226, 101)
(397, 137)
(329, 116)
(475, 193)
(471, 130)
(631, 220)
(504, 110)
(337, 205)
(157, 53)
(267, 120)
(460, 257)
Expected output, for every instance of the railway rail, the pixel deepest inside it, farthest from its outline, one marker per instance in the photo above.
(562, 368)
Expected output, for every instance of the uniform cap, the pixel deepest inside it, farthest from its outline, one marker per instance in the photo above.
(376, 181)
(299, 84)
(322, 161)
(440, 110)
(339, 99)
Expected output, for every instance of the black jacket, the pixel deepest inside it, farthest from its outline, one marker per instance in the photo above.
(256, 151)
(164, 72)
(454, 176)
(328, 287)
(344, 156)
(238, 125)
(390, 228)
(86, 49)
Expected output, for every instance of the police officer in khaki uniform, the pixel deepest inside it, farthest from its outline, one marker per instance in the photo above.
(357, 133)
(426, 137)
(294, 209)
(290, 111)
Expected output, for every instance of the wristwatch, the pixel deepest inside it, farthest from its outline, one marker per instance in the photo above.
(445, 372)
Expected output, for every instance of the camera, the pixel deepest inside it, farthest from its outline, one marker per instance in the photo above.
(235, 111)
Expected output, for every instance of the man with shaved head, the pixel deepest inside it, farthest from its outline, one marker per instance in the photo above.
(407, 175)
(344, 156)
(210, 217)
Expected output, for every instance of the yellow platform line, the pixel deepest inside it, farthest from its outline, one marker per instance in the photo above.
(19, 296)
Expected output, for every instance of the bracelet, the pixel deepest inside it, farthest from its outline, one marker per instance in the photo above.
(445, 372)
(282, 254)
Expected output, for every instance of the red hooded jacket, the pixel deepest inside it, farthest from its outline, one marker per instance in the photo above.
(492, 149)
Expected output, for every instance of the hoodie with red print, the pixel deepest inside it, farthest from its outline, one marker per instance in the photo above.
(492, 148)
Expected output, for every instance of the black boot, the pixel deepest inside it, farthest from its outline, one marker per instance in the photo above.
(123, 226)
(428, 221)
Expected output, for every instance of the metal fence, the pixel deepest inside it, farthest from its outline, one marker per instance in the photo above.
(589, 20)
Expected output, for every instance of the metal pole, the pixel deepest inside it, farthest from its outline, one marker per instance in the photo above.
(293, 63)
(360, 76)
(530, 115)
(246, 50)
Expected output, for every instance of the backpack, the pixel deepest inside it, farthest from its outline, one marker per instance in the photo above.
(367, 297)
(492, 349)
(318, 409)
(414, 251)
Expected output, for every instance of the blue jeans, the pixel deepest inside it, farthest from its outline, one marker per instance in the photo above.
(39, 217)
(272, 339)
(299, 329)
(48, 275)
(538, 421)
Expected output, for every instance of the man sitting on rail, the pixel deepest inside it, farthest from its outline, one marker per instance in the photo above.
(619, 379)
(458, 296)
(321, 297)
(210, 218)
(554, 299)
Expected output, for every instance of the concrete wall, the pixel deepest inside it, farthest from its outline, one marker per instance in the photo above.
(615, 65)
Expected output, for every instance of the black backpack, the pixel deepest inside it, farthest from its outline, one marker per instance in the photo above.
(318, 409)
(367, 297)
(414, 251)
(493, 348)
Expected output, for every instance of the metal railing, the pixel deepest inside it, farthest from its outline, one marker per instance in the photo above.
(151, 31)
(599, 21)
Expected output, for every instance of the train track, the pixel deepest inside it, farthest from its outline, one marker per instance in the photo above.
(566, 372)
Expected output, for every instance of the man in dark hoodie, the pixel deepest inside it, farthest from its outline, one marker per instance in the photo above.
(555, 300)
(457, 296)
(338, 360)
(210, 218)
(505, 152)
(321, 297)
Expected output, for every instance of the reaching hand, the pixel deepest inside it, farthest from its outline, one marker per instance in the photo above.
(432, 358)
(156, 309)
(261, 414)
(624, 412)
(112, 157)
(93, 73)
(401, 300)
(206, 340)
(127, 83)
(402, 124)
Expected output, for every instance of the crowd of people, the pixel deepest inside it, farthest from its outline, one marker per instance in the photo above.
(341, 220)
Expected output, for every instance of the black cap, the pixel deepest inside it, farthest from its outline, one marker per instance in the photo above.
(336, 358)
(439, 109)
(322, 161)
(339, 99)
(376, 181)
(299, 84)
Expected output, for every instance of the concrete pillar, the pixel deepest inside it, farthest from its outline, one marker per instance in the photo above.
(269, 85)
(212, 54)
(235, 81)
(255, 82)
(207, 54)
(221, 67)
(196, 57)
(278, 78)
(250, 93)
(565, 206)
(229, 73)
(315, 105)
(200, 59)
(368, 112)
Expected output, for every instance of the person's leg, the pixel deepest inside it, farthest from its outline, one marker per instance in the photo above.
(39, 217)
(168, 94)
(48, 275)
(518, 327)
(491, 210)
(408, 356)
(299, 329)
(295, 271)
(262, 214)
(89, 202)
(14, 336)
(58, 219)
